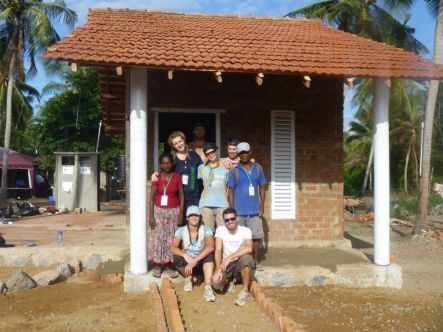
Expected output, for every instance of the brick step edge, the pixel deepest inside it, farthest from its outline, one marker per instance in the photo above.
(160, 318)
(274, 311)
(171, 303)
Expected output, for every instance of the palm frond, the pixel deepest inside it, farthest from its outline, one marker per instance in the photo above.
(432, 6)
(59, 10)
(54, 87)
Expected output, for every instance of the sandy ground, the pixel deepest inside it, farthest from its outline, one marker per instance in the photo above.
(76, 306)
(222, 315)
(90, 228)
(330, 308)
(417, 307)
(421, 258)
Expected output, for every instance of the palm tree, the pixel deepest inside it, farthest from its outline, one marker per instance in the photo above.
(22, 97)
(360, 132)
(436, 8)
(409, 101)
(367, 19)
(26, 27)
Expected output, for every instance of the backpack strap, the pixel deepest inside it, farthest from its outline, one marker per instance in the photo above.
(259, 170)
(234, 171)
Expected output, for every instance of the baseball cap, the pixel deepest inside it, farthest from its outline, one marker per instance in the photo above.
(243, 147)
(208, 147)
(193, 209)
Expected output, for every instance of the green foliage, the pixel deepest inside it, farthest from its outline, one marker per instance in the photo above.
(406, 205)
(22, 97)
(26, 27)
(353, 179)
(69, 122)
(384, 21)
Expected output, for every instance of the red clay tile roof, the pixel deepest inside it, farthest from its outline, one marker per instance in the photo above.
(233, 43)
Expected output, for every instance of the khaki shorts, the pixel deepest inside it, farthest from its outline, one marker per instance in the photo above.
(212, 216)
(233, 270)
(254, 223)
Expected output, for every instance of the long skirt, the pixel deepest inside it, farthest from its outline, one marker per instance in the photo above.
(160, 238)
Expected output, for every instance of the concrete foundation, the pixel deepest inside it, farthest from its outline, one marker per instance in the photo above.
(89, 257)
(349, 268)
(138, 283)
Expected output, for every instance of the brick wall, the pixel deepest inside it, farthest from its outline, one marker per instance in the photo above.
(318, 126)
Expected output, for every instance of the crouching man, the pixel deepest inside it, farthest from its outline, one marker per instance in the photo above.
(233, 259)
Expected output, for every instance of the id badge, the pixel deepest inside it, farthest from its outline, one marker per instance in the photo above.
(164, 200)
(251, 191)
(185, 179)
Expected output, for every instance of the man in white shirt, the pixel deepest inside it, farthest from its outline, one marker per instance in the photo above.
(233, 248)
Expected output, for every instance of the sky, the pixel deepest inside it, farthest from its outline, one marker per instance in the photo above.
(420, 20)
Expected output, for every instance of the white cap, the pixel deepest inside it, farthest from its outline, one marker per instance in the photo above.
(243, 147)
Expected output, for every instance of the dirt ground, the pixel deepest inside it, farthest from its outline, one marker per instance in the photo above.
(331, 308)
(417, 307)
(222, 315)
(90, 228)
(77, 306)
(421, 258)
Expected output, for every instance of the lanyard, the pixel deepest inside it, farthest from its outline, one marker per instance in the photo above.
(167, 185)
(247, 173)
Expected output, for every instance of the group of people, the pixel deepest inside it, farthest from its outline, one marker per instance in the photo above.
(196, 194)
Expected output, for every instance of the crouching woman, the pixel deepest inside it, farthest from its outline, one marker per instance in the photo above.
(193, 250)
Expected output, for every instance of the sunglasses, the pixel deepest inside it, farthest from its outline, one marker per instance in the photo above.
(230, 219)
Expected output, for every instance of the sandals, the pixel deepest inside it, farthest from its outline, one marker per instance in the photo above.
(157, 272)
(172, 273)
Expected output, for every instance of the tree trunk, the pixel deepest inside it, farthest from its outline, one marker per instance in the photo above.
(416, 166)
(422, 212)
(405, 174)
(368, 169)
(4, 184)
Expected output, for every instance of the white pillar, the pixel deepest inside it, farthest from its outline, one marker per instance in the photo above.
(138, 85)
(381, 172)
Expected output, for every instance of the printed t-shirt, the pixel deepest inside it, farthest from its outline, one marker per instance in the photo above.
(194, 248)
(214, 186)
(189, 167)
(245, 204)
(233, 242)
(172, 191)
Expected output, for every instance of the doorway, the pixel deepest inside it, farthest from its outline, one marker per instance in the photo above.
(167, 120)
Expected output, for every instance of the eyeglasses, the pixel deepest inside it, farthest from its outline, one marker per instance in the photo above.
(230, 219)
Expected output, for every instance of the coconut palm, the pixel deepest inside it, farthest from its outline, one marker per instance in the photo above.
(369, 19)
(436, 8)
(406, 100)
(27, 29)
(22, 97)
(361, 132)
(409, 100)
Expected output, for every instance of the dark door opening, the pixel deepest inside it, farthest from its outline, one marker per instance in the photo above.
(169, 122)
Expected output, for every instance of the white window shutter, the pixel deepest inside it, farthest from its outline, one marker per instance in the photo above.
(282, 165)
